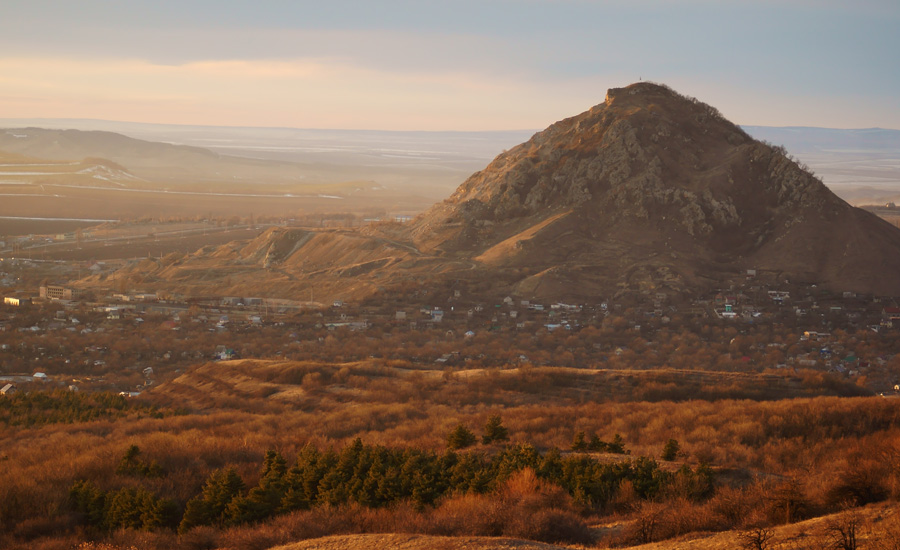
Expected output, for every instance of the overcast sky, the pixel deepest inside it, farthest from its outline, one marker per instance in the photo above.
(448, 65)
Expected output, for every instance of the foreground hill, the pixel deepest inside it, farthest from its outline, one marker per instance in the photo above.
(876, 526)
(416, 542)
(647, 191)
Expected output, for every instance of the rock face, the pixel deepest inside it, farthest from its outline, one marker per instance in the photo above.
(653, 189)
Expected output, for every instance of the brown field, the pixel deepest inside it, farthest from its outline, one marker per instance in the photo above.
(138, 246)
(93, 203)
(41, 226)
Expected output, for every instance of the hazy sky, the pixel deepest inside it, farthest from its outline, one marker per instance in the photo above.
(448, 65)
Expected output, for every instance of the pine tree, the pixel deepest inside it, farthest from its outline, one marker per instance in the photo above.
(494, 430)
(89, 500)
(302, 481)
(617, 446)
(578, 443)
(460, 438)
(597, 444)
(670, 451)
(211, 505)
(264, 500)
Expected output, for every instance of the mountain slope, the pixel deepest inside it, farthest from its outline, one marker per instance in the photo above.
(654, 189)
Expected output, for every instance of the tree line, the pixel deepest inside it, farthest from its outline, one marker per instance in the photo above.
(68, 407)
(374, 476)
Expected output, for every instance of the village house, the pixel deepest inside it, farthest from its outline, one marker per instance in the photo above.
(890, 316)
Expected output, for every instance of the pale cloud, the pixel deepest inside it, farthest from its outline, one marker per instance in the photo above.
(299, 93)
(471, 64)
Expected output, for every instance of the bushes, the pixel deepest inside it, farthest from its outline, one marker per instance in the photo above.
(523, 507)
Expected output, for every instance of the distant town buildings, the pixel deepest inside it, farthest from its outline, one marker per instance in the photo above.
(55, 292)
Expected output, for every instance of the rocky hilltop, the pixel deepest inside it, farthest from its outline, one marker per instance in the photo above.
(648, 191)
(652, 188)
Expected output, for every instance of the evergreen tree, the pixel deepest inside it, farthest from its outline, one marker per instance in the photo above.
(578, 443)
(123, 509)
(302, 481)
(89, 500)
(494, 430)
(210, 507)
(515, 458)
(617, 445)
(460, 438)
(132, 465)
(264, 500)
(551, 465)
(670, 451)
(597, 444)
(128, 508)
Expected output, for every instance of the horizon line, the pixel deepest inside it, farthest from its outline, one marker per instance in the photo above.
(3, 120)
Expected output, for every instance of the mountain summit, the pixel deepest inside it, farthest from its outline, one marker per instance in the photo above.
(650, 189)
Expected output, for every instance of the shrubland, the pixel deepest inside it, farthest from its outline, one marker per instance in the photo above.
(246, 454)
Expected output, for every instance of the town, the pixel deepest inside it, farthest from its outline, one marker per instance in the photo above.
(125, 340)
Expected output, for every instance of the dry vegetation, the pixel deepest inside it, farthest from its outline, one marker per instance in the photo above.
(775, 462)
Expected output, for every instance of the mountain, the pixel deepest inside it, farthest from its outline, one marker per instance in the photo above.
(653, 189)
(76, 144)
(161, 162)
(648, 191)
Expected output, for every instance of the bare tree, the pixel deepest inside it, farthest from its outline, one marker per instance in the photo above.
(843, 531)
(757, 538)
(648, 523)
